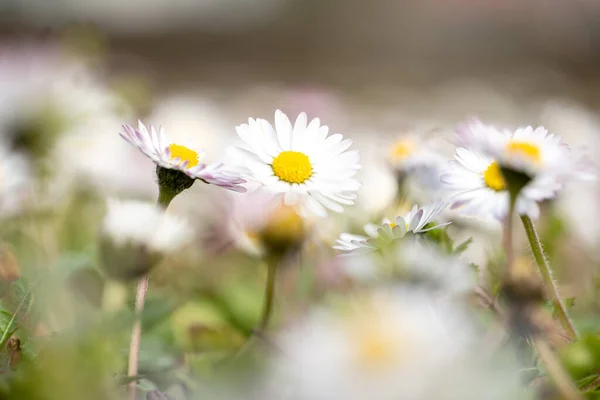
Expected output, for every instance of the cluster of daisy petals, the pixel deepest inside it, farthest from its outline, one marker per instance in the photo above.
(474, 182)
(306, 167)
(303, 163)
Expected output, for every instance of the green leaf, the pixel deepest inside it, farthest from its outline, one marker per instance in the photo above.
(583, 382)
(461, 248)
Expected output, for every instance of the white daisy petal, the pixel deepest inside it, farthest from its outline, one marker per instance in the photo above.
(414, 221)
(313, 171)
(152, 143)
(475, 184)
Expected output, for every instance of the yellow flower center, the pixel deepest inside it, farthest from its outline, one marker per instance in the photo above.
(529, 150)
(493, 177)
(292, 167)
(376, 346)
(393, 225)
(184, 154)
(402, 149)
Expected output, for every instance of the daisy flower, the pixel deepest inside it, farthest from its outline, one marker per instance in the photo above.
(535, 151)
(177, 157)
(253, 221)
(475, 187)
(474, 181)
(410, 153)
(143, 224)
(415, 221)
(301, 162)
(135, 234)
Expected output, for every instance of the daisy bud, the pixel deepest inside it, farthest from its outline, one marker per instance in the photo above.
(135, 236)
(284, 232)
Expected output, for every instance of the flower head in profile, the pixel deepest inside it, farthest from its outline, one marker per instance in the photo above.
(417, 220)
(136, 233)
(301, 162)
(474, 179)
(179, 166)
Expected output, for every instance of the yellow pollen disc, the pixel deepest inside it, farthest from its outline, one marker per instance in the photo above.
(292, 167)
(493, 177)
(376, 347)
(393, 225)
(529, 150)
(402, 149)
(184, 154)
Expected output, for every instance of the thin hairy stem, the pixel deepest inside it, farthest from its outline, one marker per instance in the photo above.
(136, 334)
(555, 371)
(508, 236)
(164, 199)
(549, 282)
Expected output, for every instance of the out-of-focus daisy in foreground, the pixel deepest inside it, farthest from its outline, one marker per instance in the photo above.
(178, 166)
(302, 162)
(416, 221)
(15, 181)
(397, 344)
(474, 180)
(134, 232)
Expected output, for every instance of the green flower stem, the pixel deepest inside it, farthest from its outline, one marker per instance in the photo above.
(549, 282)
(136, 334)
(508, 236)
(165, 197)
(555, 371)
(272, 264)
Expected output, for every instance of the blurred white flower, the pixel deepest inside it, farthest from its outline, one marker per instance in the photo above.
(474, 180)
(81, 156)
(39, 78)
(137, 223)
(426, 266)
(154, 144)
(390, 345)
(534, 152)
(415, 221)
(412, 154)
(241, 220)
(475, 187)
(378, 185)
(15, 181)
(302, 163)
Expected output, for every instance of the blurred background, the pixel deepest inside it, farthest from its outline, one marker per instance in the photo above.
(73, 71)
